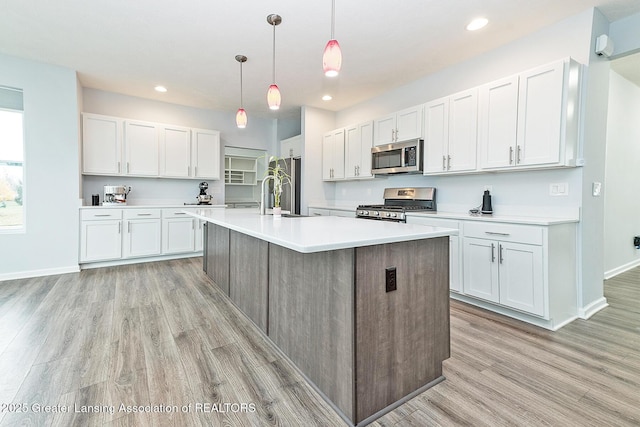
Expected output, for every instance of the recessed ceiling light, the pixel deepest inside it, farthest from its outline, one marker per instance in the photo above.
(477, 23)
(160, 89)
(327, 97)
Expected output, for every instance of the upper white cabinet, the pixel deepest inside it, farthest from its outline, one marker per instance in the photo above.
(141, 148)
(333, 155)
(531, 120)
(175, 151)
(358, 143)
(291, 147)
(115, 146)
(101, 144)
(400, 126)
(205, 151)
(451, 129)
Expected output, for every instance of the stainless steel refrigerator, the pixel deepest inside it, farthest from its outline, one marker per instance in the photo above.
(290, 199)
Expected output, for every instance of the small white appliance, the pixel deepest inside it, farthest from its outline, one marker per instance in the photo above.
(115, 195)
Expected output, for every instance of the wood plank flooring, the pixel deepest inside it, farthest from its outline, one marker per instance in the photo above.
(162, 334)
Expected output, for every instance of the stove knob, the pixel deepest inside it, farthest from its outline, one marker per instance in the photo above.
(393, 215)
(376, 213)
(387, 214)
(364, 212)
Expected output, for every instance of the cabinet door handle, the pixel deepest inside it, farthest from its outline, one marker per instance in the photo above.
(518, 155)
(510, 155)
(493, 253)
(127, 167)
(188, 170)
(119, 227)
(144, 214)
(195, 171)
(397, 132)
(129, 227)
(118, 167)
(448, 162)
(500, 250)
(444, 163)
(193, 224)
(179, 213)
(102, 215)
(495, 233)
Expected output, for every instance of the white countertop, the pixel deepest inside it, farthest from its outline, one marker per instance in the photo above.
(512, 219)
(318, 233)
(170, 206)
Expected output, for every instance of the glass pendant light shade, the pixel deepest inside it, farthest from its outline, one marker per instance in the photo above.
(241, 118)
(273, 97)
(332, 58)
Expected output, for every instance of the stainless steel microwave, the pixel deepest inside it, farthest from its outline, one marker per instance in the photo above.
(401, 157)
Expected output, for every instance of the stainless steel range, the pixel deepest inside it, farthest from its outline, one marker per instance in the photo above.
(398, 201)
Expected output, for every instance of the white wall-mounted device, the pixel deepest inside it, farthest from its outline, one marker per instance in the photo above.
(604, 45)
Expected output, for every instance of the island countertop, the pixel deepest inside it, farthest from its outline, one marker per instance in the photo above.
(317, 234)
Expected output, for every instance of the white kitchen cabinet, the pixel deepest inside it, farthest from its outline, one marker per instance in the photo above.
(100, 235)
(503, 264)
(141, 148)
(347, 213)
(358, 143)
(142, 233)
(178, 232)
(451, 133)
(101, 144)
(455, 260)
(333, 155)
(199, 236)
(531, 120)
(175, 151)
(399, 126)
(498, 123)
(319, 212)
(291, 147)
(205, 150)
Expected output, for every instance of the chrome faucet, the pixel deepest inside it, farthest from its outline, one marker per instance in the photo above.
(263, 209)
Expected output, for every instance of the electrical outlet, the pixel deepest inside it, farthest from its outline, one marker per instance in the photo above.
(559, 189)
(596, 189)
(390, 282)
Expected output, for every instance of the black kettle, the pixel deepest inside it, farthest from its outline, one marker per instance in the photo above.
(487, 209)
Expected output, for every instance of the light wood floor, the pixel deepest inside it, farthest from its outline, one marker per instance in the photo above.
(162, 334)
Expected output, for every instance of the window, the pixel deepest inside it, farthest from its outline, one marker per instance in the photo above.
(11, 160)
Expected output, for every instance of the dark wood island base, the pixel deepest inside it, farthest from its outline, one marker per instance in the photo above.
(366, 348)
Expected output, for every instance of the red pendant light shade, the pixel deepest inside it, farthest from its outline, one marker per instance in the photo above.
(273, 97)
(273, 94)
(332, 58)
(241, 118)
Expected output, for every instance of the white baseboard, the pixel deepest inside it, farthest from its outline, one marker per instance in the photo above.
(127, 261)
(621, 269)
(40, 273)
(591, 309)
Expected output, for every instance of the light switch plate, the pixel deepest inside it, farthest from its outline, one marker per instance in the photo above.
(596, 189)
(559, 189)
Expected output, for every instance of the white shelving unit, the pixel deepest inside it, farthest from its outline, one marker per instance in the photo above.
(240, 170)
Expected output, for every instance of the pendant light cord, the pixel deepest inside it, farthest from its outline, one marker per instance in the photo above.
(274, 53)
(333, 18)
(241, 104)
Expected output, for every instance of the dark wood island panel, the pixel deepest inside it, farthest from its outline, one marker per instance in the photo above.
(402, 336)
(311, 317)
(216, 255)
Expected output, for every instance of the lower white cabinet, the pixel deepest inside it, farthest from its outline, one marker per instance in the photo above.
(178, 230)
(100, 235)
(112, 234)
(142, 233)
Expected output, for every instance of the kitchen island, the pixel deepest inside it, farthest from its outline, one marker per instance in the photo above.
(360, 307)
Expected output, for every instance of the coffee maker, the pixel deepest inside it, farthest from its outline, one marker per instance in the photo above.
(203, 197)
(115, 195)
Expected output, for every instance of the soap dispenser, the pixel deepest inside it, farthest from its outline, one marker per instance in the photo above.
(487, 209)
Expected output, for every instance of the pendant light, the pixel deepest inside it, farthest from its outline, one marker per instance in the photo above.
(241, 115)
(273, 94)
(332, 56)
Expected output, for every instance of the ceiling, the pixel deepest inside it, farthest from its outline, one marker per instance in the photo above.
(128, 47)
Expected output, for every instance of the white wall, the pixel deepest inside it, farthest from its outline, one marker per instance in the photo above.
(259, 134)
(50, 243)
(622, 175)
